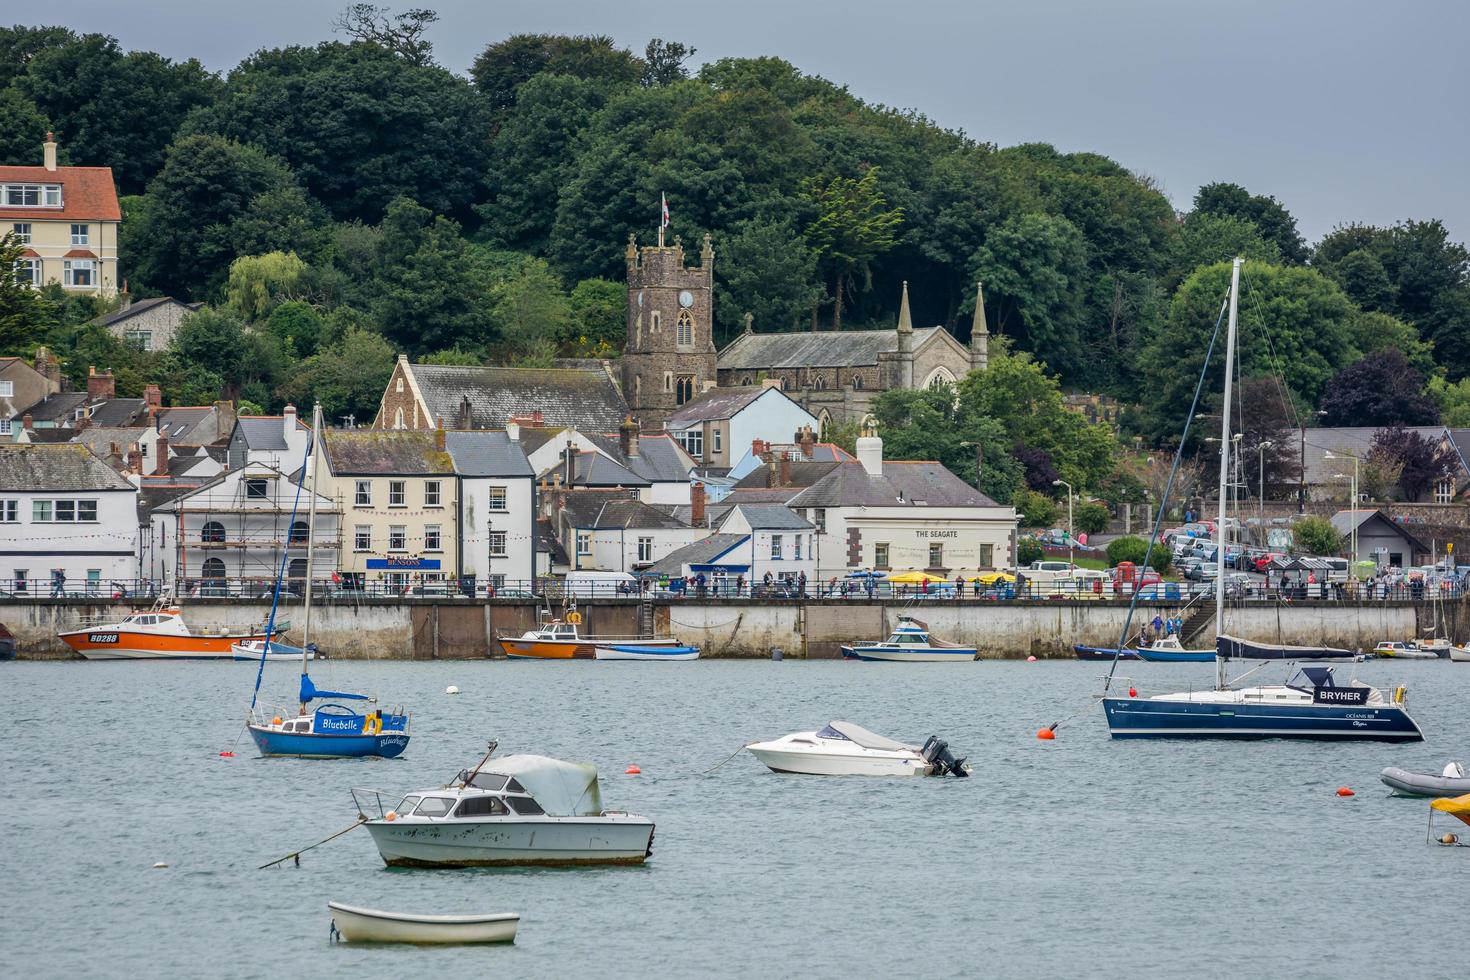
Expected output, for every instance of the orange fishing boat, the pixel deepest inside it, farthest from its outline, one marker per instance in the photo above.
(159, 634)
(559, 639)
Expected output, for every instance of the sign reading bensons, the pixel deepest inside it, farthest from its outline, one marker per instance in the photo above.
(410, 564)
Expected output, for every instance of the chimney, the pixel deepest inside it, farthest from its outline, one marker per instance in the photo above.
(466, 413)
(513, 431)
(124, 298)
(784, 470)
(568, 468)
(225, 412)
(27, 423)
(807, 440)
(100, 387)
(628, 437)
(870, 453)
(709, 385)
(439, 433)
(755, 447)
(84, 422)
(770, 382)
(696, 504)
(135, 459)
(112, 452)
(48, 154)
(152, 397)
(288, 418)
(160, 462)
(48, 366)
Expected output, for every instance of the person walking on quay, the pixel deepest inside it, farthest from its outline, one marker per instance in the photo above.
(699, 585)
(1157, 624)
(58, 584)
(801, 584)
(740, 585)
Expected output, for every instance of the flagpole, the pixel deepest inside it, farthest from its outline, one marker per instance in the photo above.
(663, 218)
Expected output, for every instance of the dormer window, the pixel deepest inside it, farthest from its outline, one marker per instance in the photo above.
(32, 195)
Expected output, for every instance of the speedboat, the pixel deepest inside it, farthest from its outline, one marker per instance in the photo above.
(1168, 649)
(359, 925)
(1452, 781)
(639, 650)
(844, 749)
(256, 650)
(515, 810)
(1460, 655)
(161, 633)
(911, 642)
(1437, 646)
(561, 640)
(1402, 651)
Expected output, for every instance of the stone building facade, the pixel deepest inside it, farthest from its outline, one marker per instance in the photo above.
(669, 355)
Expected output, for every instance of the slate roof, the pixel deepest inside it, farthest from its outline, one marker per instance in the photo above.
(772, 517)
(701, 552)
(822, 348)
(266, 433)
(902, 484)
(190, 425)
(1344, 521)
(60, 407)
(378, 452)
(1343, 440)
(801, 474)
(66, 467)
(141, 306)
(717, 403)
(87, 194)
(660, 459)
(118, 411)
(153, 496)
(596, 470)
(486, 454)
(101, 438)
(684, 513)
(760, 495)
(547, 543)
(631, 514)
(587, 399)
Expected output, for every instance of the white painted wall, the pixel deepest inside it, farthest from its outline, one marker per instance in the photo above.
(616, 549)
(909, 531)
(31, 549)
(772, 417)
(477, 521)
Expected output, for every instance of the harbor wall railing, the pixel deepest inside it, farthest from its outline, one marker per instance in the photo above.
(466, 629)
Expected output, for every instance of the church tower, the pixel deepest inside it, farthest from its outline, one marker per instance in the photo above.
(905, 341)
(979, 333)
(669, 354)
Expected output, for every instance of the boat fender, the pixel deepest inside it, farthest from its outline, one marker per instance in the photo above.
(372, 724)
(276, 721)
(575, 618)
(1398, 694)
(390, 816)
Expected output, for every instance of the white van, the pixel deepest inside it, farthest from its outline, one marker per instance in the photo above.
(1337, 569)
(585, 585)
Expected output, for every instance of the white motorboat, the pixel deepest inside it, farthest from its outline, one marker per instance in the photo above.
(256, 650)
(844, 749)
(911, 642)
(516, 810)
(360, 925)
(161, 634)
(1460, 655)
(1402, 651)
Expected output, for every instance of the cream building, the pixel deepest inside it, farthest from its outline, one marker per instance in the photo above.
(67, 218)
(399, 499)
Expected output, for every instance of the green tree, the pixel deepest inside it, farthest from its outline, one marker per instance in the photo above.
(431, 289)
(1207, 239)
(215, 340)
(1454, 401)
(1028, 550)
(22, 311)
(853, 225)
(1035, 269)
(297, 326)
(113, 109)
(1266, 213)
(599, 316)
(1374, 333)
(766, 270)
(1361, 275)
(360, 126)
(663, 62)
(24, 131)
(347, 378)
(928, 423)
(1036, 509)
(19, 46)
(1133, 549)
(1316, 536)
(503, 67)
(402, 34)
(1091, 517)
(213, 201)
(257, 282)
(531, 310)
(1381, 389)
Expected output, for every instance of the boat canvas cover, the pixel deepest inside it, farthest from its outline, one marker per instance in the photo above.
(1457, 806)
(1234, 648)
(564, 789)
(860, 736)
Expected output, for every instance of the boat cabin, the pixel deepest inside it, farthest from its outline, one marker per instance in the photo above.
(489, 794)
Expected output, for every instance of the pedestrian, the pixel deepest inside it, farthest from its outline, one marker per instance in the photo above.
(58, 584)
(699, 584)
(959, 586)
(740, 585)
(1158, 624)
(801, 584)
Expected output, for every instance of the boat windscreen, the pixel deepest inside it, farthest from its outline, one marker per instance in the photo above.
(860, 735)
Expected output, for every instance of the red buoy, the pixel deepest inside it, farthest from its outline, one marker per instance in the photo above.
(227, 754)
(632, 770)
(1344, 791)
(1045, 734)
(1133, 692)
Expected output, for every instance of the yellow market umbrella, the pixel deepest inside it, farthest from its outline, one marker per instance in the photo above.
(990, 578)
(913, 578)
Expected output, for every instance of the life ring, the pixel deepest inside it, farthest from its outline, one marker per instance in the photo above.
(574, 618)
(372, 724)
(1398, 694)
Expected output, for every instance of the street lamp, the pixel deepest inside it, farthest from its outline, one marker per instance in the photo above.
(1353, 508)
(1071, 535)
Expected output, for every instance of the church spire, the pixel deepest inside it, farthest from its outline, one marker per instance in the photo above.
(979, 333)
(905, 341)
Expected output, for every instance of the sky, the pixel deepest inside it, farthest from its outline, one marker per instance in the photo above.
(1344, 110)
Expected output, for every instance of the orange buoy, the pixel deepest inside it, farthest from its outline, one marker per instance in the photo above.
(227, 754)
(1344, 791)
(391, 815)
(632, 771)
(1045, 734)
(1031, 660)
(1133, 692)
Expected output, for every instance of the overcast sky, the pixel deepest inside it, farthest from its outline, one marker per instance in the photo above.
(1345, 110)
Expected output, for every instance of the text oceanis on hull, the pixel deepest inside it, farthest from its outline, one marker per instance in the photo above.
(158, 634)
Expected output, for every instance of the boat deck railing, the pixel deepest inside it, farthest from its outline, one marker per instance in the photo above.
(370, 801)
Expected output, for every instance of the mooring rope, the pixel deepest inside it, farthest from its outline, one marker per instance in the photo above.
(297, 854)
(731, 756)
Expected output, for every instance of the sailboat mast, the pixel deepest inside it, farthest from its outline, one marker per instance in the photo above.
(310, 477)
(1225, 466)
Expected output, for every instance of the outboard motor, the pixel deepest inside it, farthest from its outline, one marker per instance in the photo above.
(937, 754)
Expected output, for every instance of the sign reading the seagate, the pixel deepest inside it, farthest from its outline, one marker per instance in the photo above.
(937, 534)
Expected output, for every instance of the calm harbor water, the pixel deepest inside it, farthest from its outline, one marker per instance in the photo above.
(1080, 857)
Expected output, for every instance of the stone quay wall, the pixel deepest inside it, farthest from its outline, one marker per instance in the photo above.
(444, 630)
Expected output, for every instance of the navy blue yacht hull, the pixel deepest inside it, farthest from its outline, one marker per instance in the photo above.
(1146, 718)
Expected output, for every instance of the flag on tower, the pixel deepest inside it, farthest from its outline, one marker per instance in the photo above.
(664, 204)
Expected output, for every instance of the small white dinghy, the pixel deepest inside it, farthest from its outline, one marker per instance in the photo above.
(844, 749)
(359, 925)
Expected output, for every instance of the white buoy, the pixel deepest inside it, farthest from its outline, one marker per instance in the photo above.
(161, 864)
(451, 689)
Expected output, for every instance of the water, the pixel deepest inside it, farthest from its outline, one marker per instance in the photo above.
(1078, 857)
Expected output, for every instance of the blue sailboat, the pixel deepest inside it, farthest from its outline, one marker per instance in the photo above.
(331, 730)
(1310, 705)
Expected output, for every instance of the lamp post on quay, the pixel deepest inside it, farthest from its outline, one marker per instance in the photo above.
(1352, 508)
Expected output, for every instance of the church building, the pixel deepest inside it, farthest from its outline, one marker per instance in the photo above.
(669, 358)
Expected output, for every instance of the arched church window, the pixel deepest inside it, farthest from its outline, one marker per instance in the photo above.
(686, 329)
(939, 378)
(857, 382)
(820, 383)
(824, 421)
(685, 390)
(398, 419)
(745, 383)
(655, 321)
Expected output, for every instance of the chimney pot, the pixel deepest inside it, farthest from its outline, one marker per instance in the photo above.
(27, 422)
(696, 504)
(160, 461)
(288, 422)
(628, 437)
(48, 151)
(513, 431)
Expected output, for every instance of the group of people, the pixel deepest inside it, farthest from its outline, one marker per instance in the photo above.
(1163, 626)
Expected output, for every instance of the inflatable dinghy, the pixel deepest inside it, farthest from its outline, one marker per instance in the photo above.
(1452, 782)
